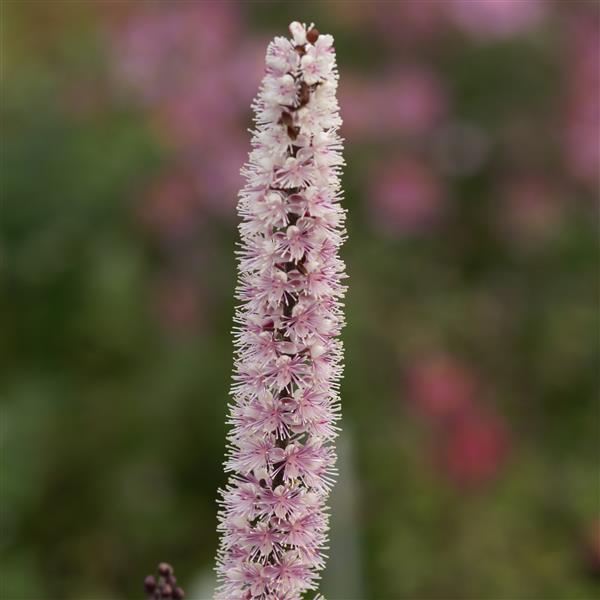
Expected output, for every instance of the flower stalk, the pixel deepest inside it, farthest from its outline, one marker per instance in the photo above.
(273, 516)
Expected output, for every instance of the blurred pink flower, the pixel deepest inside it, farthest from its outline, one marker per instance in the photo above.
(211, 104)
(531, 210)
(582, 119)
(440, 387)
(170, 206)
(471, 441)
(414, 99)
(408, 21)
(158, 46)
(195, 69)
(473, 449)
(490, 19)
(409, 101)
(219, 178)
(193, 65)
(177, 303)
(406, 198)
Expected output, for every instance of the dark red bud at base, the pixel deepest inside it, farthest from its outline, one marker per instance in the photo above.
(178, 594)
(149, 584)
(164, 586)
(165, 569)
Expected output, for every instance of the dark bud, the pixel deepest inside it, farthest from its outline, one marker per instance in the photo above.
(293, 132)
(262, 483)
(312, 35)
(286, 118)
(165, 569)
(301, 268)
(149, 584)
(167, 590)
(304, 94)
(178, 594)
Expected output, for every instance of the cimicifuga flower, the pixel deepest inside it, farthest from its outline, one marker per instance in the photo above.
(273, 515)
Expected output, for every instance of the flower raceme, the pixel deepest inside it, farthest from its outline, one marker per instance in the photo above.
(273, 517)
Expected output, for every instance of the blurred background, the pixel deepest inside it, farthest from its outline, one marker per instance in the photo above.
(469, 457)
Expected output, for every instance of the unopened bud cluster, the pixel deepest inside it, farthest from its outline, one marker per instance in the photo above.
(164, 586)
(273, 515)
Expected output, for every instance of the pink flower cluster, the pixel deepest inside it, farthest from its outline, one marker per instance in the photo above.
(412, 22)
(495, 19)
(408, 198)
(184, 61)
(273, 515)
(472, 440)
(408, 101)
(192, 67)
(582, 119)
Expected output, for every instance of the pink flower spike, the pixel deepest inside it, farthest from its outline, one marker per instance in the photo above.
(273, 517)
